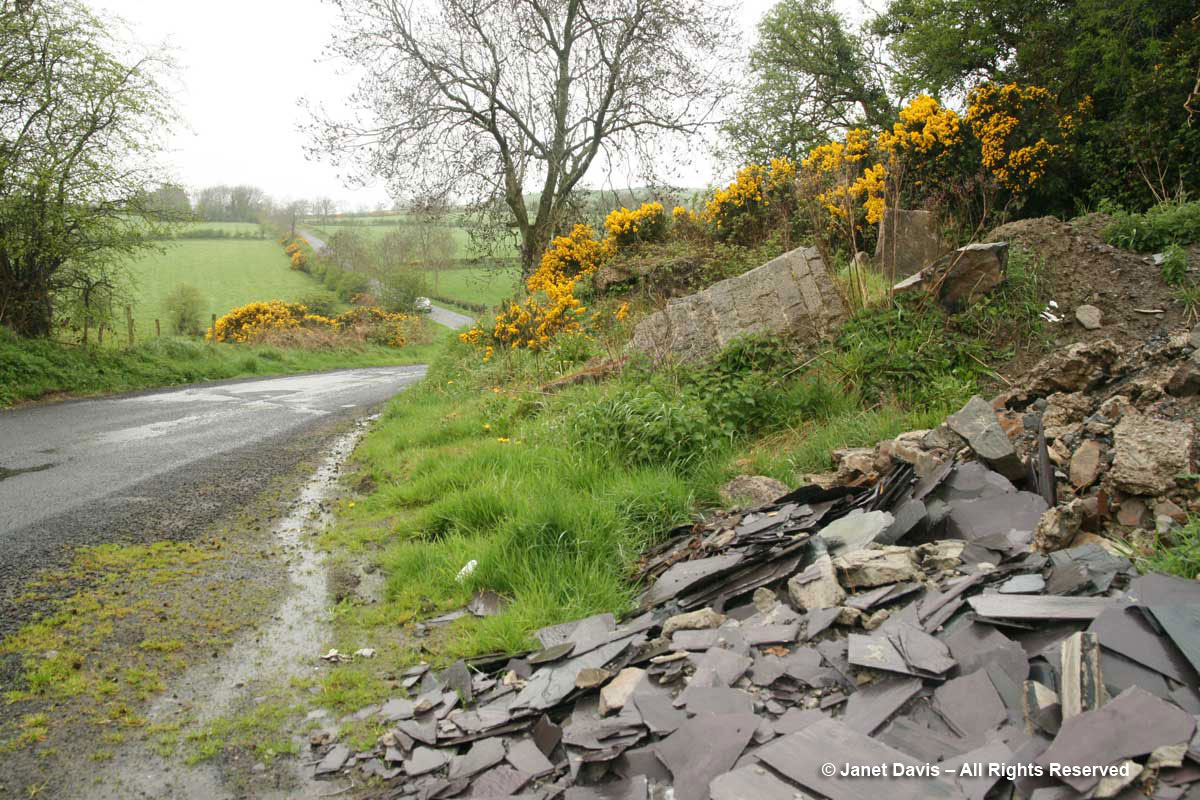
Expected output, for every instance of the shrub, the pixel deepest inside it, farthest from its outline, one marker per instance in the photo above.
(646, 224)
(742, 209)
(322, 303)
(185, 310)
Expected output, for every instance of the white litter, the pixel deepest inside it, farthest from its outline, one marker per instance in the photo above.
(466, 571)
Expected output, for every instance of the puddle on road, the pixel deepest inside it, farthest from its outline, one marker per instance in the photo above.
(284, 647)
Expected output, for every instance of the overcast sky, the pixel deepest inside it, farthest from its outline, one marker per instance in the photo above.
(242, 67)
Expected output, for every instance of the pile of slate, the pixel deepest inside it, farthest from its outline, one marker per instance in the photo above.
(908, 623)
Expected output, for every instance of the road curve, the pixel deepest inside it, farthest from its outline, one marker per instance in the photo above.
(155, 464)
(442, 316)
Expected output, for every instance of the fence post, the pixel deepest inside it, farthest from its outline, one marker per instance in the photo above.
(85, 329)
(129, 323)
(212, 331)
(157, 328)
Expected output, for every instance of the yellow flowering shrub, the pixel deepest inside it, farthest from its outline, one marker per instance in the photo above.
(750, 195)
(1020, 131)
(925, 128)
(569, 257)
(299, 261)
(253, 320)
(835, 177)
(645, 224)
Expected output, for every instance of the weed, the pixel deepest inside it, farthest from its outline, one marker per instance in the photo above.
(1164, 224)
(1177, 553)
(1174, 265)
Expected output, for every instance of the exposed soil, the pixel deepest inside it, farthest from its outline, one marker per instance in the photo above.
(1081, 268)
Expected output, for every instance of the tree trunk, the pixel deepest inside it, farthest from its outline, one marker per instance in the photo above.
(25, 307)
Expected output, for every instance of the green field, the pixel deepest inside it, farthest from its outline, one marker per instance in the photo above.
(475, 284)
(375, 232)
(229, 273)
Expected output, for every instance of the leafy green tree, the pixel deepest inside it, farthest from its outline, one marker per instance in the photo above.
(810, 75)
(1136, 60)
(79, 121)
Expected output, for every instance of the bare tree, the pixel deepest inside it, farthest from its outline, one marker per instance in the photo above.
(325, 208)
(486, 100)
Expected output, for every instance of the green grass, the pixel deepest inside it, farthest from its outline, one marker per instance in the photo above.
(1156, 228)
(228, 273)
(475, 284)
(30, 369)
(1177, 553)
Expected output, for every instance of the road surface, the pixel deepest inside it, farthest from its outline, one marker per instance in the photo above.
(440, 315)
(153, 464)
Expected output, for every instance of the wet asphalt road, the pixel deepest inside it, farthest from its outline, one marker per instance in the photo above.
(161, 464)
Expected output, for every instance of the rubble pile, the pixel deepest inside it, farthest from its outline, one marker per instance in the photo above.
(947, 607)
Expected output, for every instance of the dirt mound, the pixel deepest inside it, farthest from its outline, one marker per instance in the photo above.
(1082, 269)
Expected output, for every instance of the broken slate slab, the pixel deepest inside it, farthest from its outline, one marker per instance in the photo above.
(752, 781)
(977, 423)
(1023, 584)
(703, 748)
(425, 759)
(799, 756)
(855, 531)
(526, 757)
(970, 705)
(873, 705)
(1000, 606)
(1127, 631)
(1182, 624)
(334, 760)
(483, 754)
(686, 574)
(1135, 723)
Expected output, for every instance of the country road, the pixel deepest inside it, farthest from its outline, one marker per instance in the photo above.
(157, 464)
(440, 315)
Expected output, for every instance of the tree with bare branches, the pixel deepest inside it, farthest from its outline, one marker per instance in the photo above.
(509, 103)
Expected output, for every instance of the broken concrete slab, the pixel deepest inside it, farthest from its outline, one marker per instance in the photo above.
(793, 293)
(617, 692)
(886, 565)
(817, 586)
(1148, 454)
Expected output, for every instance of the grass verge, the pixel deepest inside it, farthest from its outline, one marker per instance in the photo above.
(32, 369)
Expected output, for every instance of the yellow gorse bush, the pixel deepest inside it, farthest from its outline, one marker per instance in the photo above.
(924, 128)
(251, 321)
(568, 258)
(750, 193)
(833, 173)
(1011, 123)
(645, 224)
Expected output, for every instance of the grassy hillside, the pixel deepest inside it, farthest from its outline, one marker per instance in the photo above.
(229, 273)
